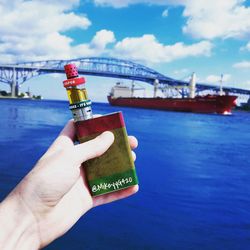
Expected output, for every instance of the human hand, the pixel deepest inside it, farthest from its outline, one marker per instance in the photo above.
(54, 195)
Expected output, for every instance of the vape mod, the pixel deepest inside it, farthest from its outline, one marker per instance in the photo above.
(115, 169)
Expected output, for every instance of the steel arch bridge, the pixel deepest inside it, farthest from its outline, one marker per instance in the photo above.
(16, 74)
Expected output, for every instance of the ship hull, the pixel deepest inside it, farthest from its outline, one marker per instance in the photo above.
(200, 104)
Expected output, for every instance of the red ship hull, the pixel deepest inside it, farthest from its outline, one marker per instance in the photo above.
(199, 104)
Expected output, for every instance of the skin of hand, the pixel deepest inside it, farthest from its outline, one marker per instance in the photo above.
(54, 195)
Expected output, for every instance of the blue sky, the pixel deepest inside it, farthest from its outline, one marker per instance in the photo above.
(173, 37)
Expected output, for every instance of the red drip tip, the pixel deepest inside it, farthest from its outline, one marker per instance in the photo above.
(71, 70)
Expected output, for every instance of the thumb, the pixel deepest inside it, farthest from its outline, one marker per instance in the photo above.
(93, 148)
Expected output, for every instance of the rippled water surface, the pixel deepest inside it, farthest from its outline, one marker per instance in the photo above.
(194, 173)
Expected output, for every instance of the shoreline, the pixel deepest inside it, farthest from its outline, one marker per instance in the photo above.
(33, 99)
(17, 98)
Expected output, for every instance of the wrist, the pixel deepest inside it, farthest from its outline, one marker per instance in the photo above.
(18, 225)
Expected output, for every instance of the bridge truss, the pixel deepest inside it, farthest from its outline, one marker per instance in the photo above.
(16, 74)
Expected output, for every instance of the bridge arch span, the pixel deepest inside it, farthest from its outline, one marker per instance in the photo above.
(16, 74)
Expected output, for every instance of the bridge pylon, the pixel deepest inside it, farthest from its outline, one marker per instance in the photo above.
(14, 88)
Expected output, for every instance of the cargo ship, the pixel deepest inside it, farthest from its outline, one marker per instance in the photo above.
(122, 95)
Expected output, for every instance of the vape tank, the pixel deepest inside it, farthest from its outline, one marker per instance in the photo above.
(79, 104)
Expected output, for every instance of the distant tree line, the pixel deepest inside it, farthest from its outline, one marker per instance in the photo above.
(21, 95)
(4, 93)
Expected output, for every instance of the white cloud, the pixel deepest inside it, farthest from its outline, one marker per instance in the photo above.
(216, 78)
(148, 49)
(204, 19)
(242, 65)
(32, 30)
(37, 17)
(96, 47)
(246, 47)
(101, 39)
(211, 19)
(165, 13)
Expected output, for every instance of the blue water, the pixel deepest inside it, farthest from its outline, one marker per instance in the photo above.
(194, 173)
